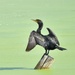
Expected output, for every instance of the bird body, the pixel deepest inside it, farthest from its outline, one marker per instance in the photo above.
(48, 42)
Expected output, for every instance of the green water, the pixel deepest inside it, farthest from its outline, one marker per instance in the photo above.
(16, 25)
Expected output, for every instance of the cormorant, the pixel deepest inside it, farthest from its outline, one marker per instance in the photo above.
(48, 42)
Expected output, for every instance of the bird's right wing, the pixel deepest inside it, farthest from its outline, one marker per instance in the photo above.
(51, 34)
(31, 42)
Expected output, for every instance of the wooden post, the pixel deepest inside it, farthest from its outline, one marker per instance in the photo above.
(45, 62)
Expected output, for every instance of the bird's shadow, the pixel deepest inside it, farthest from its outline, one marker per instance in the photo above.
(15, 68)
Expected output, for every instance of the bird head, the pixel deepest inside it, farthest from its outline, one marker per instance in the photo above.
(38, 21)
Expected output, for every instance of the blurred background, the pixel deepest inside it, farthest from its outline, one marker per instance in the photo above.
(16, 25)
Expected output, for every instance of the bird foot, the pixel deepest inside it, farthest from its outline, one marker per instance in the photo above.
(45, 53)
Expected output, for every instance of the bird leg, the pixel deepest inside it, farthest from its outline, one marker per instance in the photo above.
(46, 52)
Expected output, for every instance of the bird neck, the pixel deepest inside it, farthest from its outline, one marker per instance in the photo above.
(40, 26)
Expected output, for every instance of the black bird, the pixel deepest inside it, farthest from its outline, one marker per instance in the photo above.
(48, 42)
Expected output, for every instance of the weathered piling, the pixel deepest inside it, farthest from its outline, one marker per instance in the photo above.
(45, 62)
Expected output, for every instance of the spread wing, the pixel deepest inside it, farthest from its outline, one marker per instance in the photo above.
(54, 38)
(31, 42)
(40, 40)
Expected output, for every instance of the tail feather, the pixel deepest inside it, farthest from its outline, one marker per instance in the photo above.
(60, 48)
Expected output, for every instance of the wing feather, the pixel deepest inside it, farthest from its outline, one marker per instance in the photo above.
(51, 34)
(31, 42)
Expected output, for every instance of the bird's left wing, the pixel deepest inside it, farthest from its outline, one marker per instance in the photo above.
(31, 42)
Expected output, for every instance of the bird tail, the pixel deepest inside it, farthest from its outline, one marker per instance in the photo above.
(60, 48)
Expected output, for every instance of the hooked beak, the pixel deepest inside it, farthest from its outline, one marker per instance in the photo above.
(33, 20)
